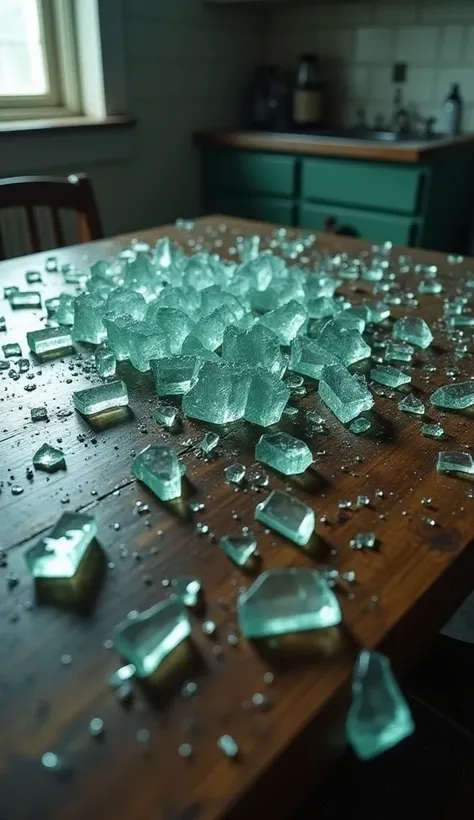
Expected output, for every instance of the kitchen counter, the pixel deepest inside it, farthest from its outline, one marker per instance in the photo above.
(311, 145)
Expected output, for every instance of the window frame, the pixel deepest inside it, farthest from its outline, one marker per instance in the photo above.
(57, 23)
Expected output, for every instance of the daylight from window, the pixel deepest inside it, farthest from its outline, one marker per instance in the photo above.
(22, 64)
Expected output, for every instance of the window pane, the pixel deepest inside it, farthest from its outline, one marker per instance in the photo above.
(22, 60)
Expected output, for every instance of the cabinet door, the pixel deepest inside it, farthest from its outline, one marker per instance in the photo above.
(375, 227)
(250, 171)
(385, 187)
(263, 208)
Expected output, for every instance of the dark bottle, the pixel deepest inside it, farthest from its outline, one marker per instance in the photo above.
(308, 93)
(452, 111)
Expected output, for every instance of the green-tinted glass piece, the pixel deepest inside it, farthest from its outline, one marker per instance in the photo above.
(119, 329)
(430, 286)
(49, 459)
(175, 375)
(105, 362)
(347, 320)
(64, 314)
(379, 716)
(285, 321)
(267, 398)
(321, 307)
(239, 548)
(414, 330)
(235, 473)
(287, 600)
(227, 745)
(377, 312)
(88, 312)
(145, 641)
(209, 330)
(103, 397)
(455, 462)
(188, 590)
(434, 430)
(166, 415)
(347, 345)
(32, 276)
(61, 553)
(25, 299)
(343, 393)
(309, 357)
(412, 404)
(360, 425)
(389, 375)
(284, 453)
(175, 324)
(399, 352)
(287, 515)
(39, 414)
(146, 344)
(3, 324)
(11, 350)
(159, 468)
(454, 396)
(257, 346)
(209, 442)
(220, 393)
(123, 301)
(51, 340)
(364, 541)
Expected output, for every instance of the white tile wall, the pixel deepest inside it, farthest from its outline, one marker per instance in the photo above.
(434, 37)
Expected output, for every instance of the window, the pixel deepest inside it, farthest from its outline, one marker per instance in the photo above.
(38, 67)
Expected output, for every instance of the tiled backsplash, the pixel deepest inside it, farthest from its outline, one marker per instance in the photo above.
(360, 41)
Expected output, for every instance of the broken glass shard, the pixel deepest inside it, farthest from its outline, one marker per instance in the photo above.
(343, 393)
(175, 375)
(287, 515)
(11, 350)
(267, 398)
(166, 415)
(39, 414)
(389, 375)
(209, 442)
(379, 716)
(149, 638)
(347, 345)
(309, 357)
(414, 330)
(61, 553)
(399, 352)
(187, 590)
(287, 600)
(284, 453)
(227, 745)
(235, 473)
(454, 396)
(434, 430)
(321, 307)
(146, 344)
(88, 325)
(455, 462)
(360, 425)
(123, 301)
(285, 321)
(105, 362)
(3, 324)
(159, 468)
(257, 347)
(119, 329)
(220, 393)
(49, 459)
(32, 276)
(239, 548)
(103, 397)
(25, 299)
(51, 340)
(412, 404)
(377, 312)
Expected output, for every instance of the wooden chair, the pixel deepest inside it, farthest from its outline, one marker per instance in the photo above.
(55, 194)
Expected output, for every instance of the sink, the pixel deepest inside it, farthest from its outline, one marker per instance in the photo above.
(365, 135)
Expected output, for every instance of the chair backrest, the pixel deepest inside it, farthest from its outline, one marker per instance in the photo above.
(56, 194)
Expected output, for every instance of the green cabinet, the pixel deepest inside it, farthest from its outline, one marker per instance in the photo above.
(427, 205)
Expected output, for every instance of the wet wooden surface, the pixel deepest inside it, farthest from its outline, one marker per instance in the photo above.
(404, 592)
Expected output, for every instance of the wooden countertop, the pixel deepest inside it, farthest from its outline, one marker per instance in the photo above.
(404, 593)
(286, 143)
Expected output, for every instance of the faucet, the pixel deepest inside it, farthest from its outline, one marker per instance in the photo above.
(401, 120)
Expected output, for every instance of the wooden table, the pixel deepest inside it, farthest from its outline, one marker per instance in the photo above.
(404, 592)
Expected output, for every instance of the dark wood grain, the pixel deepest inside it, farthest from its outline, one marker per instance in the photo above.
(404, 593)
(281, 143)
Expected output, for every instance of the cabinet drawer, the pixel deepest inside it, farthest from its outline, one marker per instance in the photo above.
(374, 227)
(263, 208)
(247, 171)
(373, 185)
